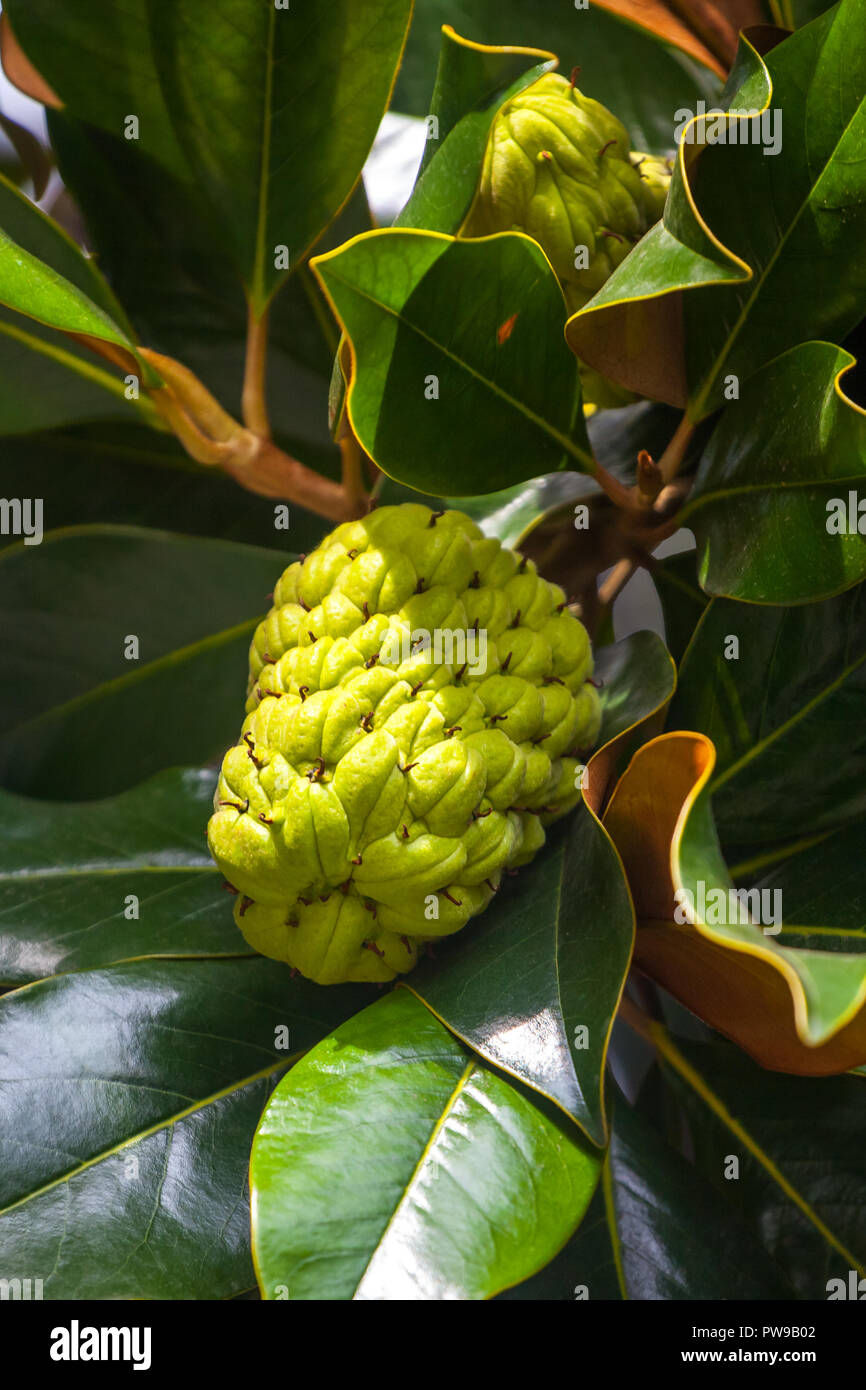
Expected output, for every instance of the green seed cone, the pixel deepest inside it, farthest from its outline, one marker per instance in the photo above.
(417, 698)
(559, 167)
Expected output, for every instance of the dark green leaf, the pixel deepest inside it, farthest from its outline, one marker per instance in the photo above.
(136, 477)
(785, 715)
(46, 381)
(277, 109)
(614, 59)
(82, 886)
(81, 720)
(655, 1230)
(773, 489)
(681, 599)
(476, 325)
(637, 678)
(179, 286)
(100, 61)
(130, 1099)
(758, 210)
(798, 1143)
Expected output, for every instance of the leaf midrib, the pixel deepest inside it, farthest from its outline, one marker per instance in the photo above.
(167, 1123)
(803, 712)
(692, 1077)
(586, 460)
(118, 684)
(762, 275)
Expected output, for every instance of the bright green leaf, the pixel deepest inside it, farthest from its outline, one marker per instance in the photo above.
(771, 507)
(391, 1164)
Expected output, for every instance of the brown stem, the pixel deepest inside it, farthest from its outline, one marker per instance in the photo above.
(192, 396)
(618, 493)
(210, 435)
(201, 447)
(112, 352)
(253, 404)
(353, 482)
(649, 479)
(616, 581)
(671, 460)
(272, 473)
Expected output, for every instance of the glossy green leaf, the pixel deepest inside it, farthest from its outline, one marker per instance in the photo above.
(81, 720)
(822, 960)
(43, 238)
(130, 1098)
(277, 108)
(87, 885)
(480, 382)
(793, 14)
(584, 1268)
(535, 984)
(739, 238)
(614, 59)
(771, 507)
(637, 678)
(100, 61)
(472, 82)
(785, 715)
(32, 288)
(799, 1145)
(822, 888)
(657, 1231)
(47, 283)
(392, 1165)
(180, 288)
(681, 599)
(514, 514)
(673, 1237)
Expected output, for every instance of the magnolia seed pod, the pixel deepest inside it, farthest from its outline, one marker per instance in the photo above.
(398, 754)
